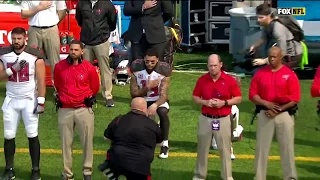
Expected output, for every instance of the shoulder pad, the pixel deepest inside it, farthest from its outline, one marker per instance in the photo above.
(137, 65)
(36, 51)
(5, 49)
(163, 68)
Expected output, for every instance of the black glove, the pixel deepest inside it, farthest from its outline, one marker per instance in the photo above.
(58, 103)
(90, 101)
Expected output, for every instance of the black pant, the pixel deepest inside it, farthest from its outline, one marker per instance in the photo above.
(164, 119)
(293, 61)
(138, 49)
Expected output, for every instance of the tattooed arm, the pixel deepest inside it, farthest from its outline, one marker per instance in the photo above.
(135, 91)
(164, 86)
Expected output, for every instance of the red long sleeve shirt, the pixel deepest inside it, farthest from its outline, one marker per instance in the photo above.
(315, 88)
(74, 83)
(279, 87)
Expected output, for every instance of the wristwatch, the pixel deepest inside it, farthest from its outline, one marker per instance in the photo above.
(225, 102)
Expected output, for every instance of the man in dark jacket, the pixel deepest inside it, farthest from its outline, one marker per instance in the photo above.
(97, 18)
(133, 139)
(146, 27)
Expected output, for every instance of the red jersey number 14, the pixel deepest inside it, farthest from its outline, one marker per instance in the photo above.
(155, 91)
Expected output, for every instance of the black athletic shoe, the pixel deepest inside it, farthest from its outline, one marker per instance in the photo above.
(164, 152)
(109, 103)
(8, 174)
(35, 174)
(87, 177)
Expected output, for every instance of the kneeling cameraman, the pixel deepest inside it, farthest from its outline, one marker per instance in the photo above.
(284, 31)
(77, 83)
(133, 139)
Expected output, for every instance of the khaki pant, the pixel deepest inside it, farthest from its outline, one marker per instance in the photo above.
(83, 120)
(246, 3)
(223, 138)
(101, 52)
(47, 39)
(283, 126)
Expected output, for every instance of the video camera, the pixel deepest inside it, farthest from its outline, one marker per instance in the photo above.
(249, 56)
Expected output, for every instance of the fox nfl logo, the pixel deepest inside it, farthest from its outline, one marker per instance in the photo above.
(292, 11)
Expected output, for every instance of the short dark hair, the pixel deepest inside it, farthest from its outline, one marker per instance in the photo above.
(75, 41)
(19, 30)
(152, 52)
(263, 9)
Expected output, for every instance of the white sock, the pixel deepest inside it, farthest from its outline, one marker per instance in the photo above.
(165, 143)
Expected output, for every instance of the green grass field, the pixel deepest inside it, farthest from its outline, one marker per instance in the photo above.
(183, 115)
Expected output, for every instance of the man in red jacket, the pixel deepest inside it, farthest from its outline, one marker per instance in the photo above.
(77, 83)
(315, 88)
(275, 90)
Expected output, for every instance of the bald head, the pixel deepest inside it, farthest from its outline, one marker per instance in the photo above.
(214, 64)
(214, 58)
(139, 104)
(275, 57)
(276, 50)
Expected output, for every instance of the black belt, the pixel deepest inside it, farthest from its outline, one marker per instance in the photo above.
(43, 27)
(213, 117)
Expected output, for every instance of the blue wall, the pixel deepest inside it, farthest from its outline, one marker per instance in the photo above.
(125, 19)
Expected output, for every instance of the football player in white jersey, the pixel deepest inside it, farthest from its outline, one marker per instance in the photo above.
(23, 68)
(150, 79)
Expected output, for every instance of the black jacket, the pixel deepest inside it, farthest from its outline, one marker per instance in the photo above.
(151, 20)
(134, 137)
(96, 23)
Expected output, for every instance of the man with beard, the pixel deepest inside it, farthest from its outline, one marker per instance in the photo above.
(150, 79)
(24, 69)
(275, 30)
(77, 84)
(275, 90)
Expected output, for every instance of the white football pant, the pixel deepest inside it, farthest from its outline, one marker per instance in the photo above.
(13, 109)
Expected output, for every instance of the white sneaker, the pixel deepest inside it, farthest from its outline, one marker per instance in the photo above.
(233, 157)
(214, 146)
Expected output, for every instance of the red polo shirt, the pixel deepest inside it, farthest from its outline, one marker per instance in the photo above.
(315, 88)
(224, 88)
(74, 83)
(279, 87)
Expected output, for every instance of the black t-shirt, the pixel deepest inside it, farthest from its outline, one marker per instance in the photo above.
(134, 137)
